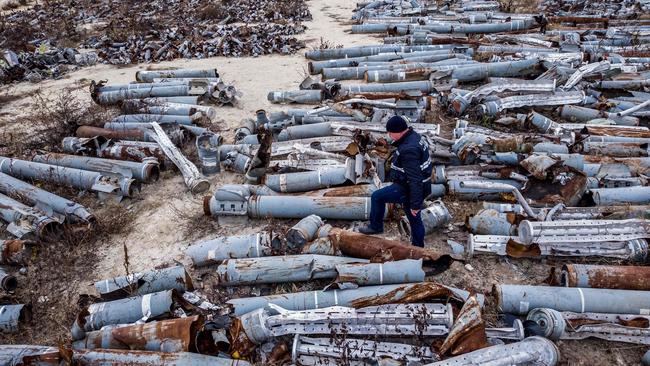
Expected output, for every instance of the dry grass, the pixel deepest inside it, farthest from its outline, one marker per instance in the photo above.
(519, 6)
(194, 224)
(213, 12)
(53, 117)
(57, 275)
(12, 5)
(59, 266)
(324, 44)
(8, 98)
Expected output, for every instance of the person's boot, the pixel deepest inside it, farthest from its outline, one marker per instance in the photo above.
(368, 230)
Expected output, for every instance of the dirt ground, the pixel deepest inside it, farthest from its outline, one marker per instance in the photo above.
(155, 227)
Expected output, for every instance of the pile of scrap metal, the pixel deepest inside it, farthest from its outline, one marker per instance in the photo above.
(605, 10)
(155, 317)
(163, 108)
(571, 187)
(148, 318)
(558, 187)
(558, 147)
(13, 255)
(389, 66)
(41, 64)
(322, 161)
(160, 113)
(159, 88)
(375, 305)
(142, 32)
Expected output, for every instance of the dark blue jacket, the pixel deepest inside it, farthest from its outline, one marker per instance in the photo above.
(411, 167)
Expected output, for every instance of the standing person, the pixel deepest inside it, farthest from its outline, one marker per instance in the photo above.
(410, 172)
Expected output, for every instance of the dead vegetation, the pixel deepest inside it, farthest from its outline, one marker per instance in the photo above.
(8, 97)
(13, 4)
(59, 266)
(153, 30)
(194, 224)
(324, 44)
(58, 273)
(519, 6)
(52, 117)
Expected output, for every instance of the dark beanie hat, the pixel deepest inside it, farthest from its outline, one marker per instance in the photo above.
(396, 124)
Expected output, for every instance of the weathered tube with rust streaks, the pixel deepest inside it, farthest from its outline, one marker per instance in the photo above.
(173, 335)
(598, 276)
(134, 134)
(370, 247)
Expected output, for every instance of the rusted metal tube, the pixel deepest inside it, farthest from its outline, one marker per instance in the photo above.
(157, 305)
(11, 354)
(364, 246)
(598, 276)
(133, 134)
(13, 251)
(120, 150)
(173, 335)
